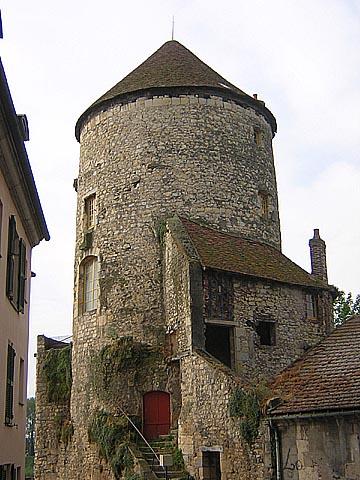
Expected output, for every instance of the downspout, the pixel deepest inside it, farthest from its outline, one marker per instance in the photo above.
(275, 430)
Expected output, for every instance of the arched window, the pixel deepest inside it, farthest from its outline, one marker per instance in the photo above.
(89, 284)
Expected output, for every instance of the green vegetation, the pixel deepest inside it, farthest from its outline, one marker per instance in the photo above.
(178, 459)
(345, 306)
(121, 357)
(246, 405)
(64, 428)
(30, 437)
(112, 435)
(57, 369)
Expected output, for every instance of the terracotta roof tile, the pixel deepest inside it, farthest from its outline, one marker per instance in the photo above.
(236, 254)
(327, 377)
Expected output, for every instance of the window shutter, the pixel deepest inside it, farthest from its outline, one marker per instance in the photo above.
(9, 413)
(22, 275)
(10, 258)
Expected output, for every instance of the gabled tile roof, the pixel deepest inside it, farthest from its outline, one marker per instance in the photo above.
(173, 68)
(236, 254)
(327, 377)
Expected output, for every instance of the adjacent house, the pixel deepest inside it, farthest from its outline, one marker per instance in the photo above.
(22, 226)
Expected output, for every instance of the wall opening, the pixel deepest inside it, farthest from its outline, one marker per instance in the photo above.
(219, 341)
(211, 466)
(266, 332)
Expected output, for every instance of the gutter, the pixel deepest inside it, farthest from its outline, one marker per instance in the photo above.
(295, 416)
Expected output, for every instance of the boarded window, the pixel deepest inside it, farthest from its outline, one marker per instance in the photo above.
(211, 466)
(266, 332)
(9, 401)
(218, 296)
(219, 341)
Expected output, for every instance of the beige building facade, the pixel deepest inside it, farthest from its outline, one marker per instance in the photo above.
(22, 226)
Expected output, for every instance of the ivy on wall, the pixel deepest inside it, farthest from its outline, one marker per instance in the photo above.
(246, 406)
(112, 435)
(57, 371)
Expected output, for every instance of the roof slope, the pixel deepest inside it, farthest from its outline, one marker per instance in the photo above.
(327, 377)
(173, 66)
(231, 253)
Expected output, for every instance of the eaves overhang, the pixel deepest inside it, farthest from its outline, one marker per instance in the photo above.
(15, 165)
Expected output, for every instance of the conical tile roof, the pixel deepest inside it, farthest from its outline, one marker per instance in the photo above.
(174, 69)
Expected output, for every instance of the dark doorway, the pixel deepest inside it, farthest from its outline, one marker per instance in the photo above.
(218, 342)
(156, 414)
(211, 466)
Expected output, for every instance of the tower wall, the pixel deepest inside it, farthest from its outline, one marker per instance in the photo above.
(205, 159)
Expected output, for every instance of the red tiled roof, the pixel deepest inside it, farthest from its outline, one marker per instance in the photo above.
(235, 254)
(327, 377)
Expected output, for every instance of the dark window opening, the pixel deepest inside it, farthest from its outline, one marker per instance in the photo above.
(219, 343)
(266, 332)
(211, 466)
(218, 296)
(9, 401)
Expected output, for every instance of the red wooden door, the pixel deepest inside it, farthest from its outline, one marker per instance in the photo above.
(156, 414)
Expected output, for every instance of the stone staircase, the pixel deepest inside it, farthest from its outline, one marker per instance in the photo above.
(162, 445)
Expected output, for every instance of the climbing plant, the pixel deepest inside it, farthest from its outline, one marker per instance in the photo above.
(57, 371)
(121, 357)
(246, 405)
(112, 435)
(64, 428)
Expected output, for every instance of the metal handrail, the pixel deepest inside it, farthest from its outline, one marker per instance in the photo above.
(142, 437)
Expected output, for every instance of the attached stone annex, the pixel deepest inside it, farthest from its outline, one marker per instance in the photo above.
(184, 305)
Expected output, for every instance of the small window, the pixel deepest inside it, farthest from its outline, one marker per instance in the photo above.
(311, 305)
(9, 400)
(266, 332)
(211, 466)
(16, 268)
(89, 284)
(21, 383)
(264, 199)
(258, 136)
(90, 211)
(219, 296)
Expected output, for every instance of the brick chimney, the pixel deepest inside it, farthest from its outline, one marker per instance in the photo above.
(318, 256)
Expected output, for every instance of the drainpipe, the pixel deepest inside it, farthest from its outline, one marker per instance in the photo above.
(275, 430)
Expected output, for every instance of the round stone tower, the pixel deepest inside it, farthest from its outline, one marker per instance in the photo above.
(173, 137)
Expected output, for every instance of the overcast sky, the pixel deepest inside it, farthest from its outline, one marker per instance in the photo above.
(301, 57)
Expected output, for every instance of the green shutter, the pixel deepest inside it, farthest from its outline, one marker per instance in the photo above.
(9, 401)
(22, 276)
(10, 258)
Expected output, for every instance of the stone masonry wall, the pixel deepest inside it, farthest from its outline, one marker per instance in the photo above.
(322, 448)
(295, 332)
(205, 423)
(50, 452)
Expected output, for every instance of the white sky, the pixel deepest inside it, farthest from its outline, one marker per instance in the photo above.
(301, 57)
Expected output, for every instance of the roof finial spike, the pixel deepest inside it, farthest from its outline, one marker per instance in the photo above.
(173, 26)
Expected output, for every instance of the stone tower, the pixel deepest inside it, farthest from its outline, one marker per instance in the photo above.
(178, 251)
